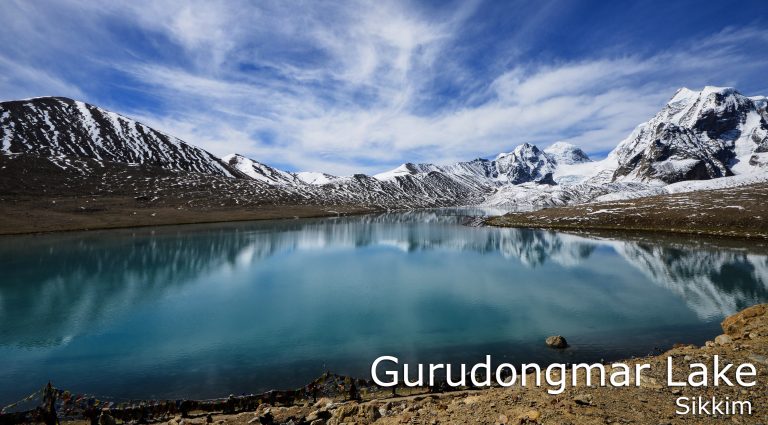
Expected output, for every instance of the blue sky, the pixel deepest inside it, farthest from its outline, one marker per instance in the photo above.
(347, 87)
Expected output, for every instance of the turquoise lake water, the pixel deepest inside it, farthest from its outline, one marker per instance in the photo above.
(211, 310)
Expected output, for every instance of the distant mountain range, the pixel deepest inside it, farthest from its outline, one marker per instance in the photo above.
(703, 135)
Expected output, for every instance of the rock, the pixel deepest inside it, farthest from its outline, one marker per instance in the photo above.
(347, 411)
(106, 419)
(321, 414)
(531, 416)
(735, 324)
(583, 399)
(267, 418)
(323, 402)
(649, 382)
(372, 413)
(759, 358)
(709, 344)
(556, 341)
(503, 419)
(472, 399)
(723, 340)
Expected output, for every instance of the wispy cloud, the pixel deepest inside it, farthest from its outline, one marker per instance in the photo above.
(19, 80)
(351, 86)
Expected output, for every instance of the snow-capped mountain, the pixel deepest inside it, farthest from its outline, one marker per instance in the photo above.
(716, 132)
(312, 177)
(566, 154)
(261, 172)
(527, 163)
(61, 127)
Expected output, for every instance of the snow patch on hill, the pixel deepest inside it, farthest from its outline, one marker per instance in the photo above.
(315, 178)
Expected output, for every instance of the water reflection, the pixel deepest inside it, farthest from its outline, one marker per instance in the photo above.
(254, 305)
(56, 285)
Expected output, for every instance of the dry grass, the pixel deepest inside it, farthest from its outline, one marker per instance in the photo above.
(740, 212)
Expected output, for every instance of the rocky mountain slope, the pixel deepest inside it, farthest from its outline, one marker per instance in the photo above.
(61, 127)
(716, 133)
(82, 142)
(525, 164)
(261, 172)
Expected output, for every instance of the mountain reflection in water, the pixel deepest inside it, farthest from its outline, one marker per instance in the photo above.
(309, 294)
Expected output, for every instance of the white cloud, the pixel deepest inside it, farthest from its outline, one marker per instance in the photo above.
(18, 80)
(339, 87)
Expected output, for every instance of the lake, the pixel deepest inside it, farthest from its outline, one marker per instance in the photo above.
(210, 310)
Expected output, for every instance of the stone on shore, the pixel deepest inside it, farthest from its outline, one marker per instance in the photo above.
(557, 341)
(723, 340)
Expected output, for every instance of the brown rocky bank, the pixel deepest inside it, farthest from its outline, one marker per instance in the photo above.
(745, 340)
(737, 211)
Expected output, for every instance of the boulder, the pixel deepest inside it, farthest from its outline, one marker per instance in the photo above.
(583, 399)
(556, 341)
(530, 416)
(372, 413)
(746, 320)
(723, 340)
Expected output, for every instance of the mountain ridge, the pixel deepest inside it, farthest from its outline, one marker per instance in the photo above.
(59, 126)
(697, 135)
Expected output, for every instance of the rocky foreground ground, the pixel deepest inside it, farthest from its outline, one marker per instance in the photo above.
(739, 211)
(745, 340)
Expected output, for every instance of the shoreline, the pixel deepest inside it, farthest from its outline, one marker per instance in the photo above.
(20, 219)
(647, 401)
(605, 230)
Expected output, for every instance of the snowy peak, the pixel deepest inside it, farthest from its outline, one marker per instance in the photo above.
(761, 102)
(406, 169)
(273, 176)
(258, 171)
(526, 163)
(698, 135)
(689, 108)
(62, 127)
(311, 177)
(566, 154)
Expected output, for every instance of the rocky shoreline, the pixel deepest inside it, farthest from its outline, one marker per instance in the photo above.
(745, 339)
